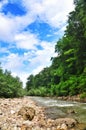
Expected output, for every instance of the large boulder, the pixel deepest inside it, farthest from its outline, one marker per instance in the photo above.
(27, 113)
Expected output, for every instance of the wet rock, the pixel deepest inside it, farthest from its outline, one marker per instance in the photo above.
(27, 113)
(71, 111)
(68, 121)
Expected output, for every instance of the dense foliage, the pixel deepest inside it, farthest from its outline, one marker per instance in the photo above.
(10, 86)
(67, 73)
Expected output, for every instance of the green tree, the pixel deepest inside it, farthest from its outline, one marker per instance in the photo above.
(10, 86)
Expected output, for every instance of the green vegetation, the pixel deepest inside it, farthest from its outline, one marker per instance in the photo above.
(10, 87)
(83, 95)
(67, 73)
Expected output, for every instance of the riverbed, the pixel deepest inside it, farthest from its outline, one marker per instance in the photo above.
(48, 111)
(55, 108)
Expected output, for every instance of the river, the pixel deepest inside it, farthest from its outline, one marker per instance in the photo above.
(58, 108)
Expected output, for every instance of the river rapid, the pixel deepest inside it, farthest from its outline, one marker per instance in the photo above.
(55, 108)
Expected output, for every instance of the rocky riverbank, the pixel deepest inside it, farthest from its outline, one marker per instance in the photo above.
(73, 98)
(25, 114)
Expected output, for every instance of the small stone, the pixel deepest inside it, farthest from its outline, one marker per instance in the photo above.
(63, 126)
(12, 111)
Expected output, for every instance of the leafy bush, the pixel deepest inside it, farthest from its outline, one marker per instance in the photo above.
(42, 91)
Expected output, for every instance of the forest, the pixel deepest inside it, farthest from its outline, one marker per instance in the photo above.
(67, 73)
(66, 76)
(10, 86)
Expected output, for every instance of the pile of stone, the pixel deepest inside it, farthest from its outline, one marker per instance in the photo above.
(24, 114)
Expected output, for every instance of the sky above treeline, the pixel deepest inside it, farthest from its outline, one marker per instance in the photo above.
(29, 30)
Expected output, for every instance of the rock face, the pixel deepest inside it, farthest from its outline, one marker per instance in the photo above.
(27, 113)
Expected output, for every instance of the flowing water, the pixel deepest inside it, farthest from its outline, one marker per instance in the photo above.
(58, 108)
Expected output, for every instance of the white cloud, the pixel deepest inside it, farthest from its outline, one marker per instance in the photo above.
(53, 12)
(26, 40)
(12, 62)
(12, 31)
(6, 28)
(10, 26)
(42, 57)
(36, 60)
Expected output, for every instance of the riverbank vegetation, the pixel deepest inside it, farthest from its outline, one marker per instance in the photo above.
(67, 73)
(10, 86)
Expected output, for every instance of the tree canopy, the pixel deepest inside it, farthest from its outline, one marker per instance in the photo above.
(67, 73)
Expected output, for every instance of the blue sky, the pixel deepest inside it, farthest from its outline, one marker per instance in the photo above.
(29, 30)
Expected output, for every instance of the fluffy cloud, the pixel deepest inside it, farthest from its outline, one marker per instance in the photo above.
(43, 56)
(12, 30)
(53, 12)
(10, 26)
(35, 61)
(12, 62)
(26, 40)
(6, 28)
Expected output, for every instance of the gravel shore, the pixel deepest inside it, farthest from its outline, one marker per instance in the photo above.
(11, 120)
